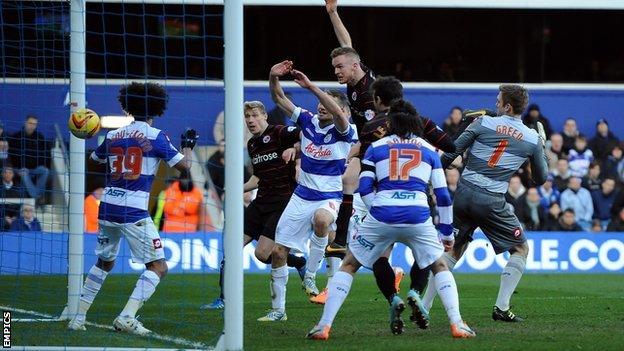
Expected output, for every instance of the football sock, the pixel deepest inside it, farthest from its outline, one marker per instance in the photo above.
(447, 289)
(279, 280)
(145, 287)
(384, 276)
(342, 222)
(333, 263)
(509, 280)
(92, 285)
(337, 292)
(430, 292)
(295, 261)
(419, 278)
(317, 251)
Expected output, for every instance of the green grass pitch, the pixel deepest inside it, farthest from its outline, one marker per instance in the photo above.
(564, 312)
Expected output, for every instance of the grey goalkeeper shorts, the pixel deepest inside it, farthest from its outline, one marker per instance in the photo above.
(476, 207)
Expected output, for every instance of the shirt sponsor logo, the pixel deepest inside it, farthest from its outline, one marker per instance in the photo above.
(404, 195)
(115, 192)
(317, 152)
(263, 158)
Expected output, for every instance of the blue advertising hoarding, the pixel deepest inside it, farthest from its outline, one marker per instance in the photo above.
(550, 252)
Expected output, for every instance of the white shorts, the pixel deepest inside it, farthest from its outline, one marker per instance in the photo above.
(373, 237)
(295, 225)
(143, 239)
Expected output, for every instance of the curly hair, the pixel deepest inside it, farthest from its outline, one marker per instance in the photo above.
(143, 100)
(404, 120)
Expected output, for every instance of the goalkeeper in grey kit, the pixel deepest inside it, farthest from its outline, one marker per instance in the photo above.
(497, 147)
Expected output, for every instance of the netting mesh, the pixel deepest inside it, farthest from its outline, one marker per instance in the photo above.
(180, 47)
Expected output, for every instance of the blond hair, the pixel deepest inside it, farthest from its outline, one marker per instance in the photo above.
(250, 105)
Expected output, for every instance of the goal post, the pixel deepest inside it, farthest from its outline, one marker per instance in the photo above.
(233, 239)
(77, 87)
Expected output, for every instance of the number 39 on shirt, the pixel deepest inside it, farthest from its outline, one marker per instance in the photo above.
(127, 164)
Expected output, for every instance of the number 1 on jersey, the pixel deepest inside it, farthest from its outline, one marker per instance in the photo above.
(498, 153)
(402, 173)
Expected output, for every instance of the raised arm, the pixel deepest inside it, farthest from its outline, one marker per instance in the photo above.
(341, 117)
(341, 31)
(462, 143)
(539, 163)
(277, 93)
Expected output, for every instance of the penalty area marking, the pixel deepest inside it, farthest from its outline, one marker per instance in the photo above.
(44, 317)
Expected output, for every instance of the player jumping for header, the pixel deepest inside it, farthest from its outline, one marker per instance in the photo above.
(326, 139)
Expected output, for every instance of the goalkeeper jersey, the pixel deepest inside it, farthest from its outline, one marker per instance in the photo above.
(132, 153)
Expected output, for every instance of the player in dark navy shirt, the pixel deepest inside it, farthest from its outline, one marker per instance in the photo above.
(275, 180)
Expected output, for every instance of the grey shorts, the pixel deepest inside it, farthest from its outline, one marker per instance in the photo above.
(474, 207)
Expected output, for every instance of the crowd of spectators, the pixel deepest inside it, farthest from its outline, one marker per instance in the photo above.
(24, 160)
(585, 188)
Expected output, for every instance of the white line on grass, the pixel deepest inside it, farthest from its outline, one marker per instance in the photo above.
(51, 318)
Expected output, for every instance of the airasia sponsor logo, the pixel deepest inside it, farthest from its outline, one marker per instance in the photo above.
(263, 158)
(317, 152)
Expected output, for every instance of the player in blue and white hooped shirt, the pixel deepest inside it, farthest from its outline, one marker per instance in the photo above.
(133, 154)
(326, 139)
(395, 174)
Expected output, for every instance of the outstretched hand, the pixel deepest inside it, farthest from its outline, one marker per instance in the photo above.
(301, 79)
(282, 68)
(289, 154)
(331, 5)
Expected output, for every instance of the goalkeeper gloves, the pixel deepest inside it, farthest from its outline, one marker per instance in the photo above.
(189, 138)
(471, 115)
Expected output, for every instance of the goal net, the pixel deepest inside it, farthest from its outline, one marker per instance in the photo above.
(48, 242)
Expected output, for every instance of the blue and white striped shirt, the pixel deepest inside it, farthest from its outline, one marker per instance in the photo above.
(394, 182)
(133, 153)
(323, 157)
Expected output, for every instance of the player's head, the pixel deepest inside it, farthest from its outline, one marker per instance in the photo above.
(512, 99)
(143, 101)
(403, 119)
(255, 117)
(385, 90)
(30, 124)
(346, 63)
(341, 100)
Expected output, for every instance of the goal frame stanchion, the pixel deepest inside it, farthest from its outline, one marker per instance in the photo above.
(77, 88)
(233, 238)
